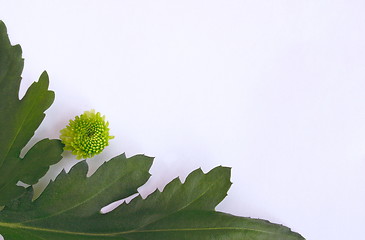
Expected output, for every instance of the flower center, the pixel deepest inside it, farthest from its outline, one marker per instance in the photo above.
(86, 135)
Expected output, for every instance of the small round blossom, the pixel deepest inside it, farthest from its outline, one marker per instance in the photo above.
(87, 135)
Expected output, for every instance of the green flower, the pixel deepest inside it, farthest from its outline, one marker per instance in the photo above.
(87, 135)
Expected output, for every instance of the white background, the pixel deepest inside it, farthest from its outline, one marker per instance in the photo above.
(273, 89)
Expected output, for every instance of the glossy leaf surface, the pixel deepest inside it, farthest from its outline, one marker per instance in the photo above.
(18, 121)
(70, 206)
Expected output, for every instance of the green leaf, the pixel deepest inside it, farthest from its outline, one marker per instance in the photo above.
(18, 120)
(70, 206)
(210, 225)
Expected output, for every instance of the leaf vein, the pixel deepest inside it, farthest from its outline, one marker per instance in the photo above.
(14, 139)
(23, 227)
(78, 204)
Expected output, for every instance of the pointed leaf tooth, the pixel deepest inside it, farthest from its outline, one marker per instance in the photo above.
(18, 121)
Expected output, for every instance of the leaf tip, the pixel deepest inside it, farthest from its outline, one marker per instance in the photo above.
(44, 78)
(2, 26)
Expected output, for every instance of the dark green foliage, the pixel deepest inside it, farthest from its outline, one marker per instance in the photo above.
(18, 121)
(69, 208)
